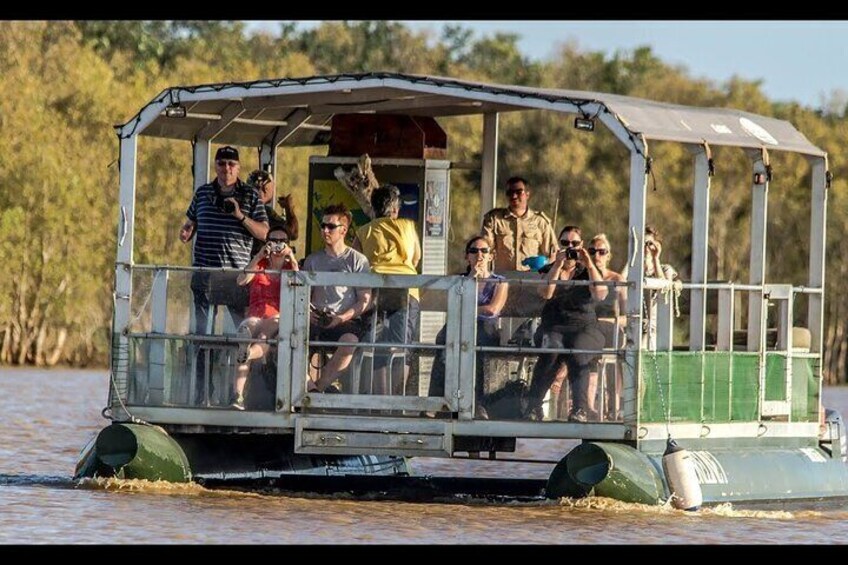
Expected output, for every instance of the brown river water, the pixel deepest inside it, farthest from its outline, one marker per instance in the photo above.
(47, 416)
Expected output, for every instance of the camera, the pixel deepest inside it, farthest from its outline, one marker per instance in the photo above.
(572, 254)
(221, 203)
(324, 316)
(277, 246)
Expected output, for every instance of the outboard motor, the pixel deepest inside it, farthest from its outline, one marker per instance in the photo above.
(834, 417)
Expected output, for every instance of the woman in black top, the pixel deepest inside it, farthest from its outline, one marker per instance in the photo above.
(569, 321)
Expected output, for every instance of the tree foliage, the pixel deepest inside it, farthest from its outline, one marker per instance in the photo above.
(66, 83)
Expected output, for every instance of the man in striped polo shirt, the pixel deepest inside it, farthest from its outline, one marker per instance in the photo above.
(224, 217)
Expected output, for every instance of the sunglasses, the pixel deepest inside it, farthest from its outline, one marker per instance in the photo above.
(515, 192)
(477, 250)
(570, 243)
(601, 252)
(223, 163)
(278, 240)
(330, 227)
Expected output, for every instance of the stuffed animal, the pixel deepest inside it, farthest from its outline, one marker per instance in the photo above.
(360, 181)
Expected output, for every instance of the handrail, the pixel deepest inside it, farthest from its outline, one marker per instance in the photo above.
(323, 278)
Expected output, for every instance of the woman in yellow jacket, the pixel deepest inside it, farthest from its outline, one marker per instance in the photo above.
(392, 247)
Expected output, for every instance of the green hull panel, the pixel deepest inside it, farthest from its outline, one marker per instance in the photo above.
(134, 451)
(738, 474)
(607, 469)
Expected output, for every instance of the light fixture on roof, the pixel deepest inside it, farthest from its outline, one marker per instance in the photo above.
(584, 124)
(175, 110)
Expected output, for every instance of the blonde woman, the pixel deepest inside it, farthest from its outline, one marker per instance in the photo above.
(611, 321)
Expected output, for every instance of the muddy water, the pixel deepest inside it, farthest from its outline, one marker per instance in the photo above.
(46, 417)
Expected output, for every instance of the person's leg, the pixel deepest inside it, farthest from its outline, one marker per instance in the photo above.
(592, 388)
(437, 373)
(248, 328)
(580, 366)
(544, 372)
(410, 356)
(398, 327)
(237, 314)
(342, 356)
(488, 335)
(267, 328)
(314, 357)
(200, 290)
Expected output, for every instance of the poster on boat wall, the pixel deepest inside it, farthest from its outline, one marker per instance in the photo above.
(434, 206)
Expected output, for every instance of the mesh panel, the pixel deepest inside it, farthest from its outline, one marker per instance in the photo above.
(775, 377)
(805, 390)
(708, 387)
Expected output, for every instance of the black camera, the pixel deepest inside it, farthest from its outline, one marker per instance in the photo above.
(324, 316)
(221, 203)
(572, 254)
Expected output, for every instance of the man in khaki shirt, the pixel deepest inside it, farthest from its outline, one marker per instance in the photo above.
(517, 231)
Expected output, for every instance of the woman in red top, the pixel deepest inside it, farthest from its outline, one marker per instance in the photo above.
(264, 311)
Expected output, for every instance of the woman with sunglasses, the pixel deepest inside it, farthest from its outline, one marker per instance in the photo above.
(491, 297)
(264, 311)
(569, 321)
(611, 320)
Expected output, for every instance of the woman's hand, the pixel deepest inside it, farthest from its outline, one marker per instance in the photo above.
(583, 257)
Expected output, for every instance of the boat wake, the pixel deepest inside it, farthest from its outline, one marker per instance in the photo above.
(724, 510)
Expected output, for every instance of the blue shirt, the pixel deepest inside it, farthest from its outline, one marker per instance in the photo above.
(486, 294)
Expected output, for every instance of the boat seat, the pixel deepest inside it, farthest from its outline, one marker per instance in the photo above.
(362, 376)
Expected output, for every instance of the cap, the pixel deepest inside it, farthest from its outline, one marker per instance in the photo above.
(227, 152)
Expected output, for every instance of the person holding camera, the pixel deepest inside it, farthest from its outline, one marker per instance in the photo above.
(569, 321)
(654, 268)
(265, 185)
(223, 218)
(263, 319)
(336, 311)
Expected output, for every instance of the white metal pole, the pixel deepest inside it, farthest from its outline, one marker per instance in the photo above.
(123, 268)
(700, 246)
(635, 278)
(818, 219)
(489, 172)
(757, 268)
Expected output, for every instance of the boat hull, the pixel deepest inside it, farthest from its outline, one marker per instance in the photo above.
(136, 451)
(737, 474)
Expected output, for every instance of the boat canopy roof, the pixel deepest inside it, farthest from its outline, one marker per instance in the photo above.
(248, 113)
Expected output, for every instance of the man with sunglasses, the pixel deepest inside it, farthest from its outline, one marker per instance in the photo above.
(336, 310)
(518, 231)
(224, 218)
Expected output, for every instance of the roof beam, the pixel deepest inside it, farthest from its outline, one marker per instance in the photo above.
(349, 96)
(230, 113)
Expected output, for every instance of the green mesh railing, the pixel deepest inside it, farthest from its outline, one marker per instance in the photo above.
(715, 387)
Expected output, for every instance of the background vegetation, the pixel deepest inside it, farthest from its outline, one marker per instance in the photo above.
(66, 83)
